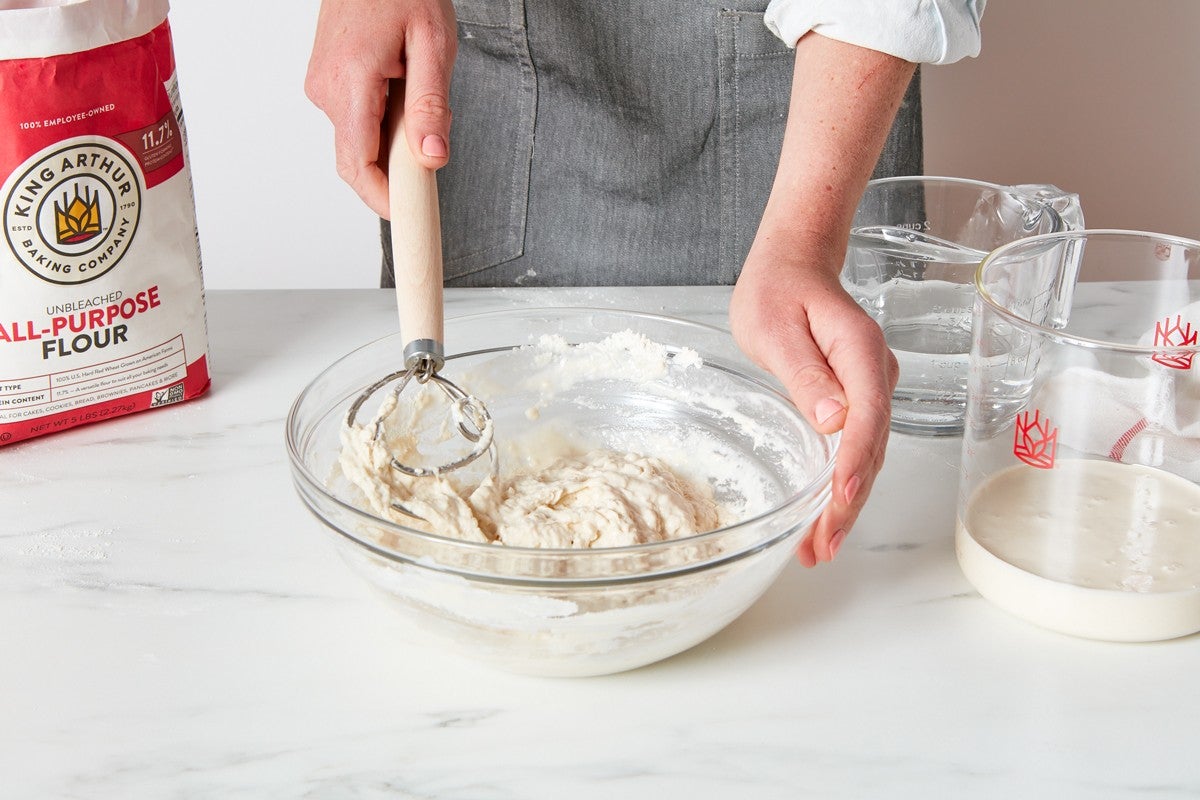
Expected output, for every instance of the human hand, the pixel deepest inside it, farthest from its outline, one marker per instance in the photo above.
(362, 45)
(792, 317)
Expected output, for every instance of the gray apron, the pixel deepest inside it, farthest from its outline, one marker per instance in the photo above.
(617, 142)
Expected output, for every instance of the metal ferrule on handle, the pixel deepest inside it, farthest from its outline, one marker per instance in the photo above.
(424, 357)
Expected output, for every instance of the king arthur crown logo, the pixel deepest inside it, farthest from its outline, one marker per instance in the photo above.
(78, 220)
(1174, 334)
(1035, 440)
(70, 212)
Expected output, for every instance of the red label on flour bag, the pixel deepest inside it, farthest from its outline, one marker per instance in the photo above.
(101, 294)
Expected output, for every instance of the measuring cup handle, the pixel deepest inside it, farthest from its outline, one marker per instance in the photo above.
(1065, 203)
(416, 242)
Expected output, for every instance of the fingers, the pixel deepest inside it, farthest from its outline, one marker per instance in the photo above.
(868, 382)
(356, 141)
(356, 57)
(430, 60)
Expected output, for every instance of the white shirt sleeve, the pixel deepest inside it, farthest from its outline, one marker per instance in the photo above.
(921, 31)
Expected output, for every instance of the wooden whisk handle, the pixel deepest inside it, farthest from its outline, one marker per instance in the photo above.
(416, 243)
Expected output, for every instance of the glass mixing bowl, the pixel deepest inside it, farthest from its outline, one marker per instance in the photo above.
(582, 612)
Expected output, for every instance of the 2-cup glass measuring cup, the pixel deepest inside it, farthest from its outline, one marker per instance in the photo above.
(1079, 506)
(914, 245)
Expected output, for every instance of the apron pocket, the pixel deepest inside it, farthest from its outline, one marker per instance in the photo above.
(754, 83)
(484, 190)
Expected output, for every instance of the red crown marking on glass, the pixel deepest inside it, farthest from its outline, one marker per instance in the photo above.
(1175, 334)
(1035, 441)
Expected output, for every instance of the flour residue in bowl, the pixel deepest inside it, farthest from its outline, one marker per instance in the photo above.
(720, 426)
(551, 491)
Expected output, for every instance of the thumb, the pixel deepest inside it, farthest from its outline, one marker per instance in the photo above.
(428, 63)
(812, 385)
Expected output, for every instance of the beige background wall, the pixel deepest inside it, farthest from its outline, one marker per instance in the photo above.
(1100, 97)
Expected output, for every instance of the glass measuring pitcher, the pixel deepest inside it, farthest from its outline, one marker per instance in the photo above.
(914, 245)
(1079, 507)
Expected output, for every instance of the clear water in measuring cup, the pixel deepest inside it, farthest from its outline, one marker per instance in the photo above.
(920, 290)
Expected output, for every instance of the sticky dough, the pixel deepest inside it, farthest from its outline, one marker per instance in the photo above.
(599, 498)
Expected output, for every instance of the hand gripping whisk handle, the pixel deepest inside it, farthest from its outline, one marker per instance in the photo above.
(416, 247)
(417, 258)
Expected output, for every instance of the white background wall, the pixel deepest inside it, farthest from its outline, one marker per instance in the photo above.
(271, 209)
(1101, 97)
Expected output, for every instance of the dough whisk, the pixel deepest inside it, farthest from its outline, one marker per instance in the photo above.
(417, 256)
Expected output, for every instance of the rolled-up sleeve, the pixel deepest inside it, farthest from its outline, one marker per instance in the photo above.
(921, 31)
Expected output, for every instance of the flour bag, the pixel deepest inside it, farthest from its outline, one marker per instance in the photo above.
(101, 293)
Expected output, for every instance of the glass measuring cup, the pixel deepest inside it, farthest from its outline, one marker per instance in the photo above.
(914, 245)
(1079, 508)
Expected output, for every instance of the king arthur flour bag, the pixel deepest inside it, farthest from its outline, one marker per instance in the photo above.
(101, 295)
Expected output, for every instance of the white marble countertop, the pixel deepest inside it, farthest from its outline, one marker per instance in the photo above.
(176, 624)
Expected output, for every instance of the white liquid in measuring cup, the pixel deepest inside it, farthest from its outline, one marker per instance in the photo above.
(1090, 548)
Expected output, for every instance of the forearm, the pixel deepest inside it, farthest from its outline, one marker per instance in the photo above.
(843, 101)
(788, 311)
